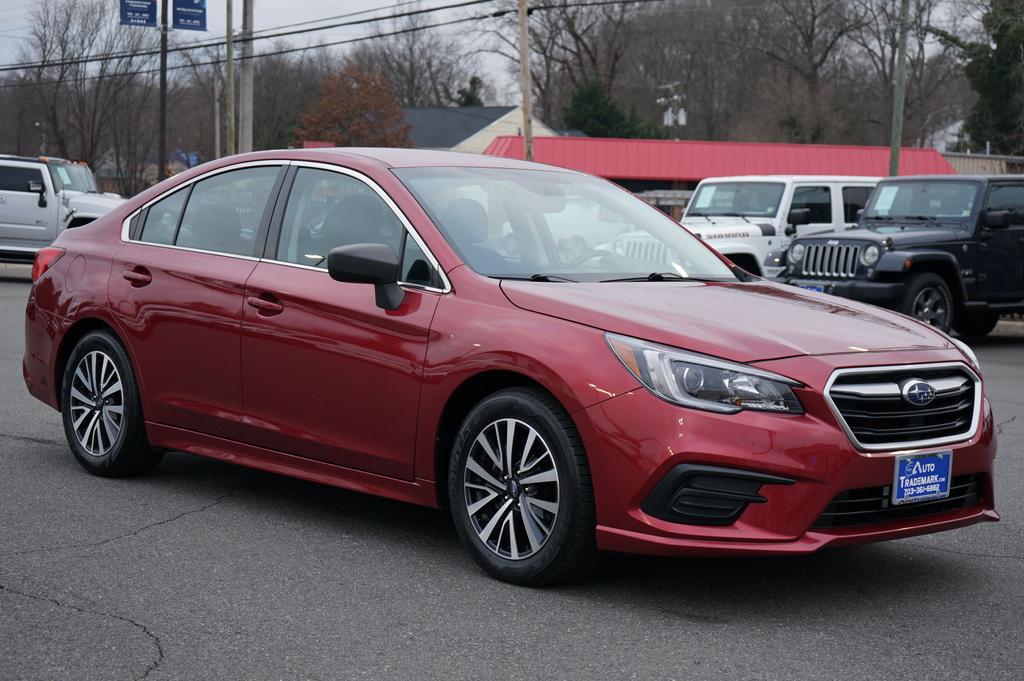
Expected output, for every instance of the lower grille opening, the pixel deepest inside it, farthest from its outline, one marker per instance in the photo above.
(707, 495)
(872, 505)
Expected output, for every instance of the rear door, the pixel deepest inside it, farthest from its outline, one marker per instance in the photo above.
(853, 198)
(24, 224)
(328, 374)
(176, 288)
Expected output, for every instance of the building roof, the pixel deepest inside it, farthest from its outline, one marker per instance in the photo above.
(691, 161)
(441, 127)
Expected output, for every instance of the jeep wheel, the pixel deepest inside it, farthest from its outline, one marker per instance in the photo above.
(976, 325)
(927, 298)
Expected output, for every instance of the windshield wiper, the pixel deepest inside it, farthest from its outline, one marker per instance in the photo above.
(736, 215)
(666, 276)
(539, 277)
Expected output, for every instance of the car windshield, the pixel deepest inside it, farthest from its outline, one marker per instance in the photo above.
(557, 226)
(74, 176)
(747, 199)
(920, 200)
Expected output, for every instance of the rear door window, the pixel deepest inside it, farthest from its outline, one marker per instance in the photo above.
(16, 178)
(854, 199)
(224, 211)
(817, 199)
(162, 218)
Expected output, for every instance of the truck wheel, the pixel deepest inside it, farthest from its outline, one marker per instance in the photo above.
(976, 325)
(927, 298)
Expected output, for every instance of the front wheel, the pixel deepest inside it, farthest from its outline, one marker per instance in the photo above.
(519, 489)
(928, 299)
(101, 409)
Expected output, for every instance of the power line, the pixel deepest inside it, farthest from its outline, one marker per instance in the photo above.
(195, 46)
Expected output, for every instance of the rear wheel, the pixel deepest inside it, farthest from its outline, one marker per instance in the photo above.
(519, 489)
(928, 299)
(976, 325)
(101, 410)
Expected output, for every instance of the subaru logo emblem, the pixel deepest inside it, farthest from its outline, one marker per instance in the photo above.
(918, 392)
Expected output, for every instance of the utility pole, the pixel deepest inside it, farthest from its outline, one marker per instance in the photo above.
(899, 92)
(161, 170)
(245, 86)
(216, 116)
(229, 87)
(524, 81)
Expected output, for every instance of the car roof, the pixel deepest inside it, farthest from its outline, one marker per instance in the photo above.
(419, 158)
(793, 178)
(961, 178)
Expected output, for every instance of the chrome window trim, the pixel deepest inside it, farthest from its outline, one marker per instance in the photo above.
(894, 448)
(447, 286)
(210, 173)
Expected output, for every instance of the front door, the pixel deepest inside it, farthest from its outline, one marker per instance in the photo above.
(328, 375)
(24, 224)
(1001, 251)
(178, 288)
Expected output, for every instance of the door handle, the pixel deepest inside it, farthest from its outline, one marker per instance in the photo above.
(138, 276)
(264, 305)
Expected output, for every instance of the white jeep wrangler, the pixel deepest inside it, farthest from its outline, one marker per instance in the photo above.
(42, 196)
(751, 219)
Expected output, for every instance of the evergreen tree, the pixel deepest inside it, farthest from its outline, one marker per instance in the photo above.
(594, 112)
(470, 95)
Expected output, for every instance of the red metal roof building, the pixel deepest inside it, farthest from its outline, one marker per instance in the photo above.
(685, 162)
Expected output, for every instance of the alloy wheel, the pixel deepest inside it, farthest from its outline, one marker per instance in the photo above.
(931, 306)
(511, 490)
(97, 403)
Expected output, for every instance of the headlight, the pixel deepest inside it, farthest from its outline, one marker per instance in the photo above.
(796, 253)
(869, 256)
(703, 382)
(966, 349)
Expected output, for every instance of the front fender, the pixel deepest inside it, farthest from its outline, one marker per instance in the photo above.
(906, 261)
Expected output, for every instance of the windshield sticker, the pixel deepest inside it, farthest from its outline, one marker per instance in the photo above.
(705, 196)
(886, 195)
(64, 177)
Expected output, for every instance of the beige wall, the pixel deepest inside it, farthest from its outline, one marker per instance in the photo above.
(980, 164)
(509, 124)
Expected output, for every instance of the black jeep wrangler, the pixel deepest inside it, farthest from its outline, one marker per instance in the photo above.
(948, 250)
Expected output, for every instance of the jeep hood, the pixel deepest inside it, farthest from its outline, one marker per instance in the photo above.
(912, 236)
(743, 322)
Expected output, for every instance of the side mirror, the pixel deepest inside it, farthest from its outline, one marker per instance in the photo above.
(799, 216)
(374, 264)
(860, 214)
(37, 187)
(996, 219)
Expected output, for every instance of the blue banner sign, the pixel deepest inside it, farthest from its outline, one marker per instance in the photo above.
(138, 12)
(189, 15)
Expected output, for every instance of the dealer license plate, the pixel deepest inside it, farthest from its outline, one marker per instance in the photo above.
(920, 477)
(812, 287)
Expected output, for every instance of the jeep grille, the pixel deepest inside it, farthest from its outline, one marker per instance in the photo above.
(826, 260)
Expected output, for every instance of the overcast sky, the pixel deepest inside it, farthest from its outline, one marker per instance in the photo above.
(16, 18)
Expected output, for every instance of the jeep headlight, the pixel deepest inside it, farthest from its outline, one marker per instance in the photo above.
(703, 382)
(796, 253)
(869, 256)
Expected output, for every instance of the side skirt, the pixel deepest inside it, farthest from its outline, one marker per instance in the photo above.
(168, 437)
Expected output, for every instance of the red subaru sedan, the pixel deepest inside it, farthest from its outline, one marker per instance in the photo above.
(561, 365)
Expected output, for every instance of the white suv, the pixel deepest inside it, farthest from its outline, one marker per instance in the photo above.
(751, 219)
(42, 196)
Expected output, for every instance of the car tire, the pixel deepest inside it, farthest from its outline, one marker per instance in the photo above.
(927, 298)
(537, 525)
(101, 410)
(975, 325)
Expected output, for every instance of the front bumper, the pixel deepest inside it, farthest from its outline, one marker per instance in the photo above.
(881, 293)
(634, 440)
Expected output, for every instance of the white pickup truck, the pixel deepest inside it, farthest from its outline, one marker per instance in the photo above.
(751, 219)
(42, 196)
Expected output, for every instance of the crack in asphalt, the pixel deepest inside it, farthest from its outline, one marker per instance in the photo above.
(999, 426)
(139, 530)
(100, 613)
(966, 553)
(35, 440)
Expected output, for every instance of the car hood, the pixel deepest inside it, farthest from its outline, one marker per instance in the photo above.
(913, 235)
(743, 322)
(92, 204)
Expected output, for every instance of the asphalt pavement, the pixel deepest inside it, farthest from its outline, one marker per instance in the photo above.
(203, 570)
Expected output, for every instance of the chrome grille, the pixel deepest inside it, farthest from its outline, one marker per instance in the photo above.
(826, 260)
(870, 405)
